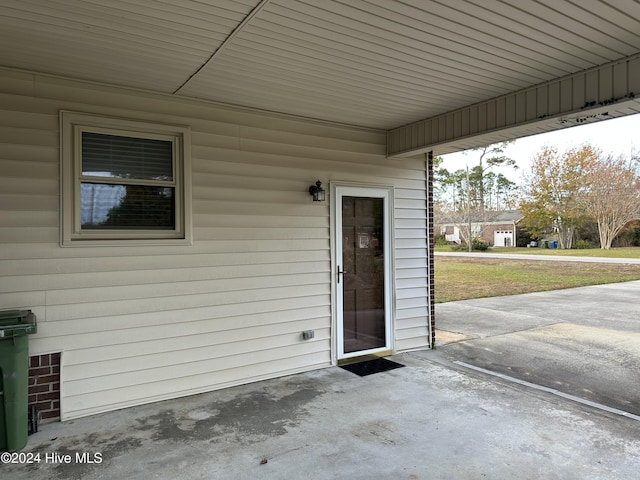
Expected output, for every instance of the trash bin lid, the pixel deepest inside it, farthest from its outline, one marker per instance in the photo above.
(14, 323)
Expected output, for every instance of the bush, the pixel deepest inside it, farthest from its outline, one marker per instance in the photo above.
(523, 238)
(458, 247)
(441, 241)
(588, 231)
(629, 237)
(583, 245)
(479, 244)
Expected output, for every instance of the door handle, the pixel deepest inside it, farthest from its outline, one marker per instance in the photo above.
(340, 272)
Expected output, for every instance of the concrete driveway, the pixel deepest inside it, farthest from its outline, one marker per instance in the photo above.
(430, 420)
(583, 342)
(437, 418)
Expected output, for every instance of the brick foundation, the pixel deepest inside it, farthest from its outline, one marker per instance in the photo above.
(44, 386)
(430, 248)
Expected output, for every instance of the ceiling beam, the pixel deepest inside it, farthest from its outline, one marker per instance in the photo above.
(584, 97)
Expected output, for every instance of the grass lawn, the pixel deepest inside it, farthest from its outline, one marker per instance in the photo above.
(460, 278)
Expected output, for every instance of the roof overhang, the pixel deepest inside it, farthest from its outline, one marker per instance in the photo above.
(600, 93)
(436, 75)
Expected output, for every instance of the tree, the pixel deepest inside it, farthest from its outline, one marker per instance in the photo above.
(611, 195)
(486, 189)
(550, 192)
(500, 192)
(142, 207)
(474, 195)
(494, 157)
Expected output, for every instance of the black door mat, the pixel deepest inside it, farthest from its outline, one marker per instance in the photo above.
(369, 367)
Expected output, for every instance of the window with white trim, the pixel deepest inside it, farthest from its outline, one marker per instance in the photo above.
(124, 181)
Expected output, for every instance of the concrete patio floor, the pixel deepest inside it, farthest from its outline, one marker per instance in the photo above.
(432, 419)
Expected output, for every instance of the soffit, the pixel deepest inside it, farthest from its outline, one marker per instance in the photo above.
(371, 63)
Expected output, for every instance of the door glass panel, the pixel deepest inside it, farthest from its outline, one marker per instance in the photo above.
(363, 265)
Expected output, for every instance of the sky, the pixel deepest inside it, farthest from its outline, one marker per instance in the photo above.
(617, 136)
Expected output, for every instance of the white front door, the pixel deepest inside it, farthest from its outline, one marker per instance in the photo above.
(363, 270)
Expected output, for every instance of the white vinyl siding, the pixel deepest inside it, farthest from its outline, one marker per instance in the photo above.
(144, 323)
(412, 290)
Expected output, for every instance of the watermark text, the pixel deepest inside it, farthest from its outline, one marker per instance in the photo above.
(54, 458)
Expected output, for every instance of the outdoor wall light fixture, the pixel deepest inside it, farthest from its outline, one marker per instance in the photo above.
(317, 191)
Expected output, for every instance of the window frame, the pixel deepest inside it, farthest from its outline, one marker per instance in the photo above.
(72, 125)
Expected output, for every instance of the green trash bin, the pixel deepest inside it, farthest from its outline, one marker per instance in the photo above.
(15, 325)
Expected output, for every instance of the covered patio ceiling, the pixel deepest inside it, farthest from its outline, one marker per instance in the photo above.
(431, 73)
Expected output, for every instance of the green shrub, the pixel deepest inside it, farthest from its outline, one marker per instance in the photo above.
(441, 241)
(524, 238)
(458, 247)
(479, 244)
(583, 245)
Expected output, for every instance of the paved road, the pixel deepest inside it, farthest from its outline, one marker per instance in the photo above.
(583, 341)
(534, 257)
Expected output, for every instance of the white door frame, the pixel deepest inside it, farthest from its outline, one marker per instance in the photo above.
(386, 193)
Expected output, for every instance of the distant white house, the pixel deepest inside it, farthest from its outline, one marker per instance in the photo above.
(499, 230)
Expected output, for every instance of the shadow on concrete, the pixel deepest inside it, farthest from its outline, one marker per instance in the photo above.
(430, 420)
